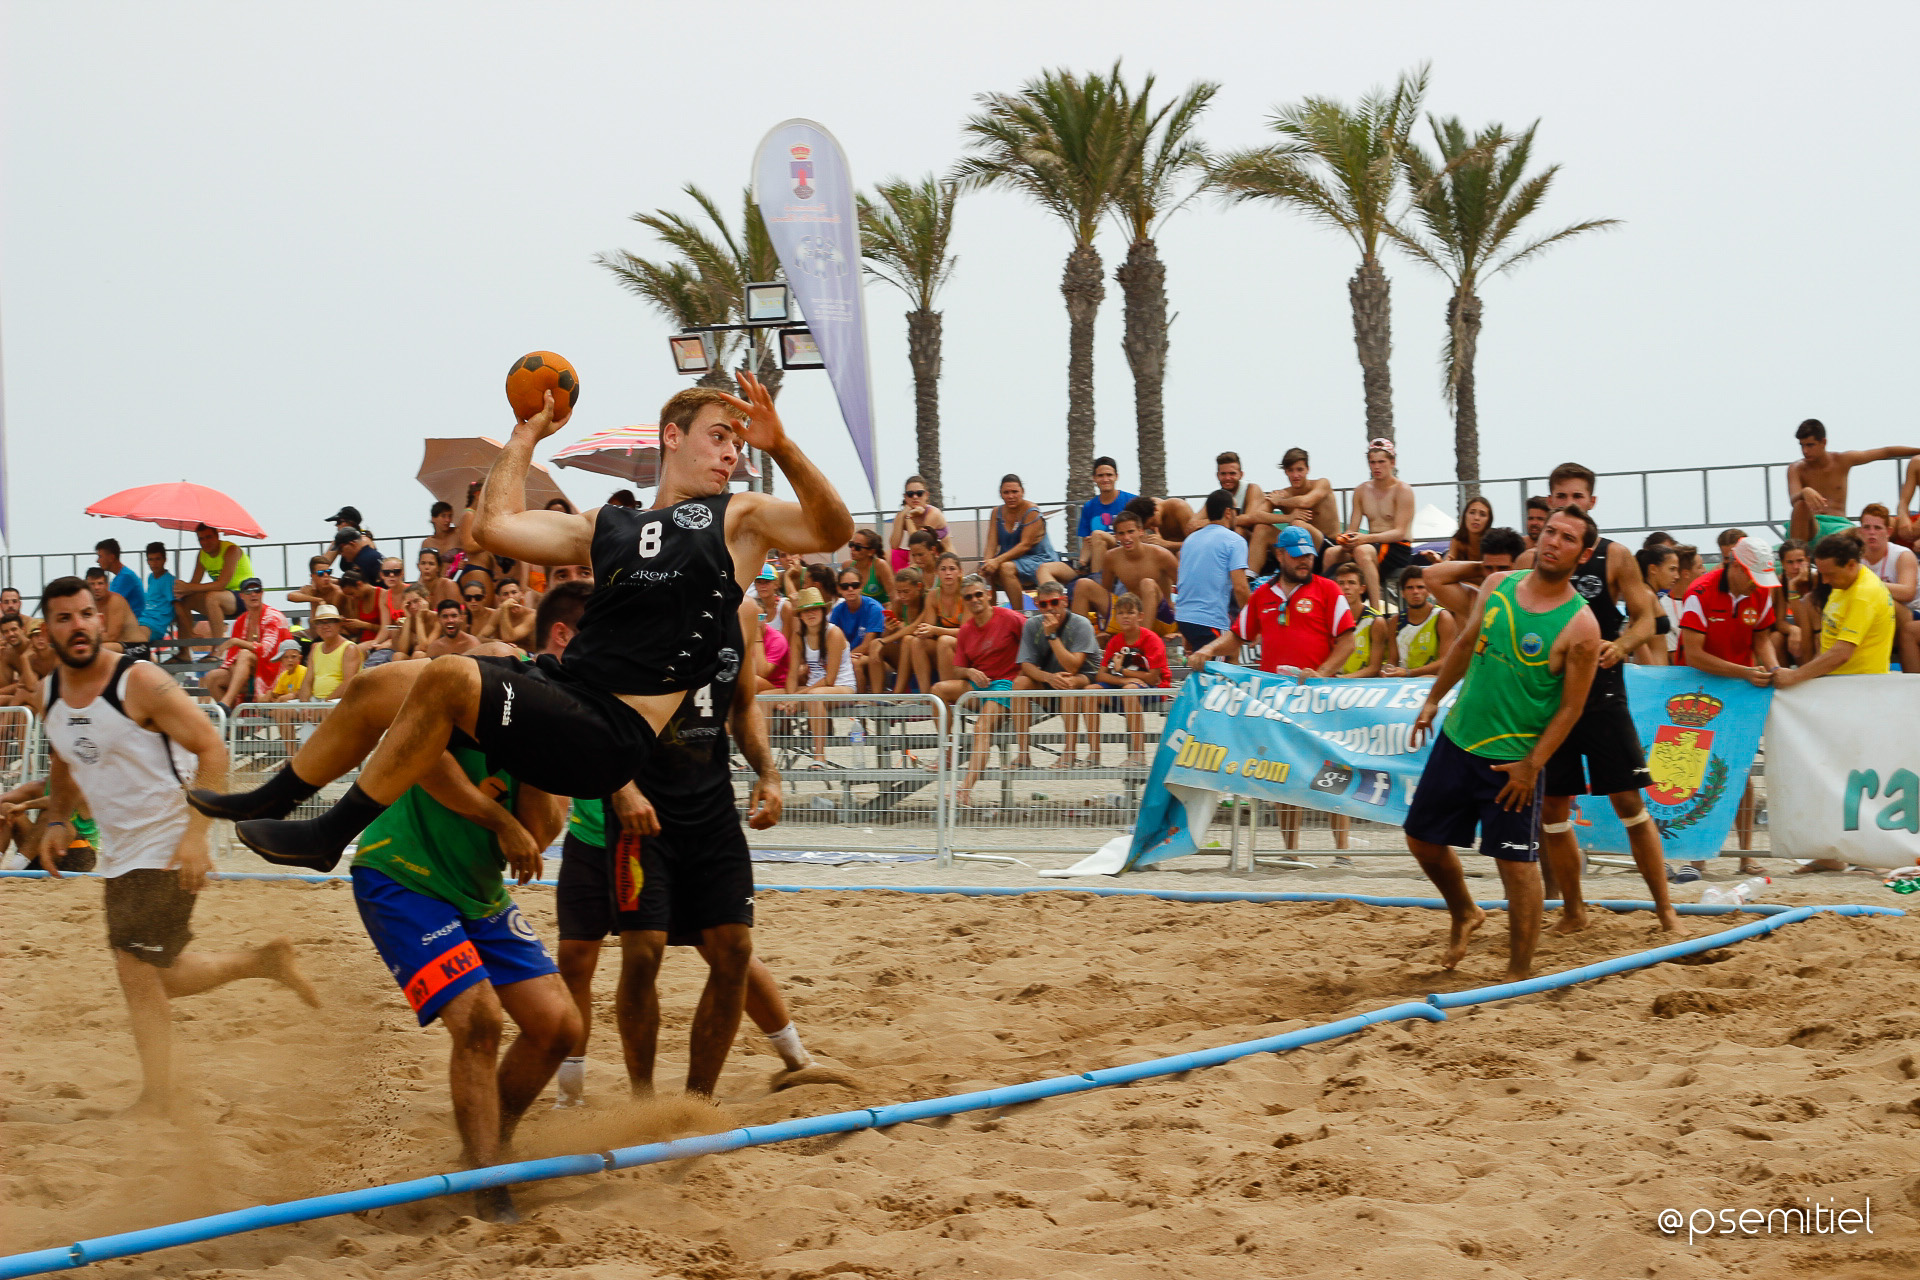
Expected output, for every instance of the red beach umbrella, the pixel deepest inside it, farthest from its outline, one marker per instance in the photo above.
(179, 506)
(631, 454)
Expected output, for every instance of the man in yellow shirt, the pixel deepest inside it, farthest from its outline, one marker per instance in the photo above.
(1859, 625)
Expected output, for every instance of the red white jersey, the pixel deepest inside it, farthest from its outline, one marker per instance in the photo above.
(1728, 622)
(1297, 627)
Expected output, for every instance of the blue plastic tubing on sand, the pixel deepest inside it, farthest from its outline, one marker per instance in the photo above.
(83, 1252)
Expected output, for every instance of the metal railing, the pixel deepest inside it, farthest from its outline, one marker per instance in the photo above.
(870, 762)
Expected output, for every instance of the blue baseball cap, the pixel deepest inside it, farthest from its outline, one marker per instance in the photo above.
(1294, 541)
(766, 574)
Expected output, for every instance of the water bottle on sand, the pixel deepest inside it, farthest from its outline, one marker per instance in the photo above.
(1734, 894)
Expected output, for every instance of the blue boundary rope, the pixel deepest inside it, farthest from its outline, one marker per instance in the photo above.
(1433, 1009)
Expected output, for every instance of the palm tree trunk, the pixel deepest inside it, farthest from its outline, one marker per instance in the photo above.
(923, 353)
(1143, 281)
(1083, 284)
(1373, 338)
(1463, 325)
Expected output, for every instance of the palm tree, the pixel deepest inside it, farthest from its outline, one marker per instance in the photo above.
(1341, 166)
(707, 284)
(1063, 141)
(904, 242)
(1155, 189)
(1469, 200)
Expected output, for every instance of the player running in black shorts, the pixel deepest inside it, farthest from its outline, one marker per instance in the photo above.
(1603, 755)
(668, 581)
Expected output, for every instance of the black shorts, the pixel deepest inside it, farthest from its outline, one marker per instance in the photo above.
(1394, 557)
(1602, 755)
(147, 915)
(554, 733)
(584, 899)
(1196, 635)
(694, 875)
(1457, 793)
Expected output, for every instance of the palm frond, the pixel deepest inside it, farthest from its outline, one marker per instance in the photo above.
(904, 236)
(1063, 141)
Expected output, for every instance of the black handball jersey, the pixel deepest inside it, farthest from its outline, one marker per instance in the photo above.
(1590, 579)
(664, 596)
(691, 759)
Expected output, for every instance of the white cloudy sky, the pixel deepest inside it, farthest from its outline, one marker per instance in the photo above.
(270, 248)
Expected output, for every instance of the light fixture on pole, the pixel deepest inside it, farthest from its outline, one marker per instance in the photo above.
(769, 303)
(692, 353)
(799, 351)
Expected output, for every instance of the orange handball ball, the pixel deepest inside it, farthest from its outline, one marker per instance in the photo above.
(535, 374)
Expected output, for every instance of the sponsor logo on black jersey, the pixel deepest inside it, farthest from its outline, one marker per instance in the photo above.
(695, 515)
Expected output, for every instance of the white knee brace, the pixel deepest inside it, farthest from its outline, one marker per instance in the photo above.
(1637, 819)
(1556, 828)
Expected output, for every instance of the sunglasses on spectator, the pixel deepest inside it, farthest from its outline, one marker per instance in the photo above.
(474, 597)
(390, 573)
(916, 493)
(973, 595)
(849, 586)
(1055, 603)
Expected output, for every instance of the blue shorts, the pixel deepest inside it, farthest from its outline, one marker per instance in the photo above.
(1458, 793)
(435, 954)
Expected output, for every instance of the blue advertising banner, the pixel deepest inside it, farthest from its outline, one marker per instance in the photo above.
(1342, 746)
(805, 194)
(1700, 733)
(1336, 745)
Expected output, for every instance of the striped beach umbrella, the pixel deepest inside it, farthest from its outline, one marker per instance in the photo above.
(631, 454)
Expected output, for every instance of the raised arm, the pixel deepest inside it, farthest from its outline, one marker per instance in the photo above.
(501, 522)
(1447, 581)
(819, 521)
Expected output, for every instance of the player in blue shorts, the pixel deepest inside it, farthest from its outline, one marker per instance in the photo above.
(427, 879)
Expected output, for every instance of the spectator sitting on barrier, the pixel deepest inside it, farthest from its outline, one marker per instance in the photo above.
(1726, 629)
(1423, 632)
(1135, 658)
(1539, 507)
(1893, 564)
(768, 644)
(1243, 496)
(1304, 503)
(938, 631)
(354, 549)
(10, 601)
(320, 588)
(1057, 651)
(862, 620)
(1163, 522)
(249, 664)
(1132, 564)
(19, 685)
(1095, 527)
(1660, 570)
(876, 575)
(156, 615)
(1213, 573)
(39, 651)
(768, 600)
(223, 566)
(923, 553)
(917, 516)
(122, 632)
(1386, 504)
(445, 538)
(897, 648)
(331, 660)
(820, 662)
(1475, 519)
(123, 581)
(986, 657)
(510, 620)
(1817, 480)
(430, 565)
(416, 628)
(1024, 554)
(1372, 634)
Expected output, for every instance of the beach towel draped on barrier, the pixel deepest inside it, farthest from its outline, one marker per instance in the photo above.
(1345, 746)
(84, 1252)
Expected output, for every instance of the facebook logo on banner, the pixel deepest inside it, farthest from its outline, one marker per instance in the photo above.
(1373, 786)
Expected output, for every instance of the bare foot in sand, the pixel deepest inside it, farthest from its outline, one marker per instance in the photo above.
(147, 1107)
(1670, 919)
(1571, 920)
(1458, 936)
(276, 961)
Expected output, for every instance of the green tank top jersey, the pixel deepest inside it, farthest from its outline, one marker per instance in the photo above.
(1362, 654)
(1511, 691)
(426, 847)
(1422, 640)
(242, 566)
(587, 822)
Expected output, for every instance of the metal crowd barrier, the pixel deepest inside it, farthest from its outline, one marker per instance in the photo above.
(1054, 770)
(262, 736)
(867, 761)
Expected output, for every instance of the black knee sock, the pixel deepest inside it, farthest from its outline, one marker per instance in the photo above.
(351, 814)
(285, 788)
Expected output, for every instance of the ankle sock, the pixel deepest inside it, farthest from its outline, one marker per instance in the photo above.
(351, 814)
(572, 1078)
(284, 792)
(786, 1043)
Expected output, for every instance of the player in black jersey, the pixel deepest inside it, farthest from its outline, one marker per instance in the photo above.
(1603, 755)
(668, 580)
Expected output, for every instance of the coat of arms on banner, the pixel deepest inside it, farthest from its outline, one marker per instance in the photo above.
(1682, 762)
(801, 169)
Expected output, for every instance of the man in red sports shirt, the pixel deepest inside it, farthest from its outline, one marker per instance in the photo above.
(1726, 629)
(986, 656)
(1298, 619)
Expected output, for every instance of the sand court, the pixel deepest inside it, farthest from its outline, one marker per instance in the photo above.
(1534, 1138)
